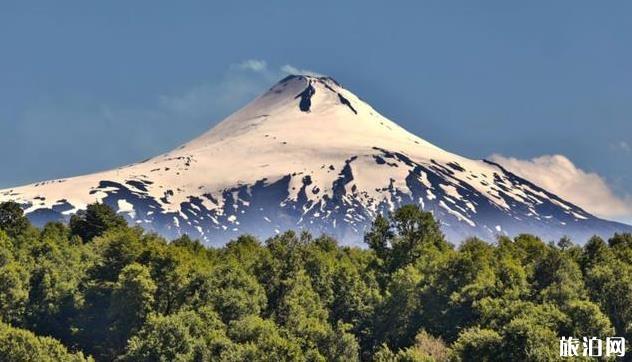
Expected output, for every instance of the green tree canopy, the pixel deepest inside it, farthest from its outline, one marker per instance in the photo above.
(99, 287)
(94, 221)
(12, 219)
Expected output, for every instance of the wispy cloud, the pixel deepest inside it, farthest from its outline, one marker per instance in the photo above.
(621, 146)
(290, 69)
(255, 65)
(242, 82)
(558, 174)
(217, 98)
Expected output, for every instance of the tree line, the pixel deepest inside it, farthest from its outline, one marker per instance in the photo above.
(98, 289)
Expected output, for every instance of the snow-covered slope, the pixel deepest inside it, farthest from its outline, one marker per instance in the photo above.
(309, 154)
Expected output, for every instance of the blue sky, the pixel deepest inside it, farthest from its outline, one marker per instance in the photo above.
(86, 86)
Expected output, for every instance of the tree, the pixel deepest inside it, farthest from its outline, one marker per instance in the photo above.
(526, 339)
(621, 245)
(56, 232)
(402, 237)
(301, 312)
(13, 293)
(257, 339)
(12, 219)
(623, 240)
(425, 349)
(22, 345)
(398, 316)
(51, 302)
(171, 270)
(132, 301)
(231, 291)
(113, 252)
(183, 336)
(586, 319)
(379, 237)
(596, 252)
(6, 249)
(610, 284)
(557, 278)
(95, 221)
(185, 242)
(564, 243)
(246, 250)
(431, 346)
(476, 344)
(458, 286)
(356, 296)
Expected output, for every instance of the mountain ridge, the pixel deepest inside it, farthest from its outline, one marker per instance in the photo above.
(309, 154)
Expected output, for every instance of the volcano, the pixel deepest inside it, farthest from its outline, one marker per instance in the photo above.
(310, 155)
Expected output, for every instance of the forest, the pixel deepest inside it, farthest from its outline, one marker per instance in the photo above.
(98, 289)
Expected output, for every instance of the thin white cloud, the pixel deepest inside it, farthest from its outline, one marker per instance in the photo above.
(256, 65)
(558, 174)
(215, 99)
(622, 146)
(242, 82)
(290, 69)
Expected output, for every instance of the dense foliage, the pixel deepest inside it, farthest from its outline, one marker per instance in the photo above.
(100, 289)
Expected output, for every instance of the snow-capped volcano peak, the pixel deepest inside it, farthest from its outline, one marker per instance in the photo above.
(293, 94)
(311, 110)
(309, 154)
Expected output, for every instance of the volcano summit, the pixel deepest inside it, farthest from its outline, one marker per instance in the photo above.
(308, 154)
